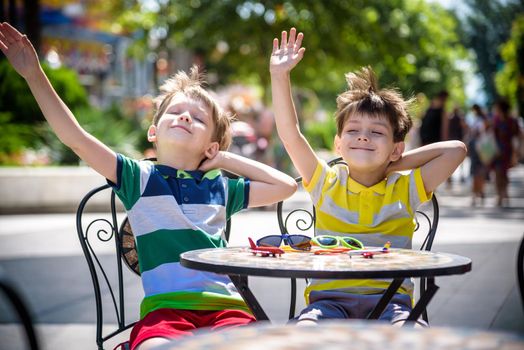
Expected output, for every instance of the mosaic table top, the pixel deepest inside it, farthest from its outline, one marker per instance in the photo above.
(349, 334)
(396, 263)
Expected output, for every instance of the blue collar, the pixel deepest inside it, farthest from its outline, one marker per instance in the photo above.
(198, 175)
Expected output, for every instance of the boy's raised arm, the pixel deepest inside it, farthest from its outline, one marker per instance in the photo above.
(268, 185)
(437, 162)
(283, 59)
(22, 56)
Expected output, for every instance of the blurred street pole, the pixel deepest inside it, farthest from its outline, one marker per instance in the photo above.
(32, 23)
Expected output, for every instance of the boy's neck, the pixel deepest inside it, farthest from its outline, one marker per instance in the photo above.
(180, 161)
(366, 177)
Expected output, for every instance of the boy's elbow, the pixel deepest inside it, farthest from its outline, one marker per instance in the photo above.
(455, 152)
(293, 186)
(461, 149)
(290, 188)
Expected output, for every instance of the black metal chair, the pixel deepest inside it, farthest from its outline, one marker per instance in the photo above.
(303, 219)
(106, 272)
(19, 306)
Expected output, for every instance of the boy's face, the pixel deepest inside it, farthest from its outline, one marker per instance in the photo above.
(366, 143)
(187, 125)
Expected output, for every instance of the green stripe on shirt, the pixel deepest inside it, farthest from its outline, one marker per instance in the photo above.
(165, 246)
(235, 196)
(192, 301)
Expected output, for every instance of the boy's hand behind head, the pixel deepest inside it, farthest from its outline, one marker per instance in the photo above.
(286, 56)
(18, 50)
(213, 160)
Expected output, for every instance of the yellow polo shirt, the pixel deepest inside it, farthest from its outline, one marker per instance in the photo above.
(374, 215)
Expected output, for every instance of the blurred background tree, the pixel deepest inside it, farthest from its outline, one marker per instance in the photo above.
(418, 46)
(23, 126)
(510, 79)
(411, 44)
(484, 28)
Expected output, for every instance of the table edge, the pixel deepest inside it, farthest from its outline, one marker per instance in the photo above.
(263, 272)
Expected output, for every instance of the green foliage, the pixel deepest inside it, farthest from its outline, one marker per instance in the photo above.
(23, 125)
(512, 74)
(21, 120)
(119, 132)
(14, 137)
(485, 28)
(16, 98)
(321, 134)
(410, 44)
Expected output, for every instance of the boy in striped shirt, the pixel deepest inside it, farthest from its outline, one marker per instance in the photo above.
(367, 198)
(179, 204)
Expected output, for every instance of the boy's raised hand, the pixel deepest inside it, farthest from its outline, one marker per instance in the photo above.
(286, 56)
(18, 50)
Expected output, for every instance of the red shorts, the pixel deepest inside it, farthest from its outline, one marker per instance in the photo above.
(174, 323)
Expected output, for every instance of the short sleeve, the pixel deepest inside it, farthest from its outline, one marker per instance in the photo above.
(417, 192)
(317, 183)
(129, 174)
(237, 195)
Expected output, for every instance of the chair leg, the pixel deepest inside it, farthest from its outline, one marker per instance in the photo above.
(293, 302)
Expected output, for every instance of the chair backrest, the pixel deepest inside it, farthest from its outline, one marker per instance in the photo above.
(106, 244)
(292, 220)
(107, 240)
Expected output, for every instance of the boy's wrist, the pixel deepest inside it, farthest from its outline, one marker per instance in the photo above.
(279, 74)
(35, 76)
(222, 157)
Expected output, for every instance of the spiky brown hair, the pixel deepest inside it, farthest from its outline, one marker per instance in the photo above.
(191, 86)
(363, 97)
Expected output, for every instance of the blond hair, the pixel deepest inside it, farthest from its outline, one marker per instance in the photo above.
(363, 97)
(191, 86)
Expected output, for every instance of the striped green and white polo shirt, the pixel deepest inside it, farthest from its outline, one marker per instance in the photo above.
(174, 211)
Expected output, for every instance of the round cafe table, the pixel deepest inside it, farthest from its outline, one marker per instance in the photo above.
(343, 335)
(398, 264)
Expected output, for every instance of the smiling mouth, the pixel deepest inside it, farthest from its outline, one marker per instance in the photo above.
(181, 127)
(361, 149)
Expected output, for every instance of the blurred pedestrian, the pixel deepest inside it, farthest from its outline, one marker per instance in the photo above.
(457, 129)
(434, 127)
(506, 130)
(478, 170)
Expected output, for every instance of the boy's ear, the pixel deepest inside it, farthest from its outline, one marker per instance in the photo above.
(336, 143)
(212, 150)
(151, 133)
(398, 149)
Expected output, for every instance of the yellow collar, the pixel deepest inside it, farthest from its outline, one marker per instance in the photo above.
(355, 187)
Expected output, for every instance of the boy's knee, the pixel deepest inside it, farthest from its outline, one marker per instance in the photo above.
(306, 322)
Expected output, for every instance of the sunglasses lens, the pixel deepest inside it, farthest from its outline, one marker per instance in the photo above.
(270, 241)
(353, 242)
(299, 242)
(327, 241)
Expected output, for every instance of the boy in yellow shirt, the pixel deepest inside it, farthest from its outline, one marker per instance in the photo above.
(367, 198)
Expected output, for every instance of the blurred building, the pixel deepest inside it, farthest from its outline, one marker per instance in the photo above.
(81, 35)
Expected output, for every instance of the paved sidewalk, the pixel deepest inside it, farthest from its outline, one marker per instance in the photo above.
(41, 254)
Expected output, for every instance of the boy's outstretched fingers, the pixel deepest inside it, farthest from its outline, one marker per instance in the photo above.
(298, 43)
(275, 45)
(292, 36)
(283, 40)
(9, 33)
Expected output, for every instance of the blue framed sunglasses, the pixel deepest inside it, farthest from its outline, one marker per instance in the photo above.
(298, 242)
